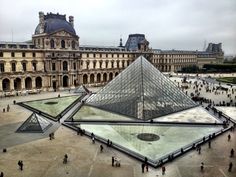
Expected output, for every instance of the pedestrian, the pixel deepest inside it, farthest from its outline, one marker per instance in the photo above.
(93, 140)
(20, 164)
(209, 144)
(230, 166)
(229, 137)
(143, 166)
(3, 110)
(65, 160)
(1, 174)
(202, 167)
(112, 161)
(101, 148)
(8, 108)
(232, 153)
(163, 169)
(199, 149)
(108, 142)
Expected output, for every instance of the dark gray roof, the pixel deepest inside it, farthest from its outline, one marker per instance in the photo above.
(55, 22)
(133, 41)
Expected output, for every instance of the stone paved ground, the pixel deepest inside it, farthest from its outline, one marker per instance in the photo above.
(43, 158)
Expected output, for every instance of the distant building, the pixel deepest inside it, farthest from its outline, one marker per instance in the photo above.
(54, 59)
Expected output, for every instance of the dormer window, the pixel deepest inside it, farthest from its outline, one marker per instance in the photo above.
(62, 44)
(52, 45)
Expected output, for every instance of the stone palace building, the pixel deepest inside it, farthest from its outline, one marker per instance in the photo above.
(55, 60)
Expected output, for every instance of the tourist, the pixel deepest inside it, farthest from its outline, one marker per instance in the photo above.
(229, 137)
(93, 140)
(199, 149)
(232, 153)
(101, 148)
(112, 161)
(58, 95)
(20, 164)
(1, 174)
(108, 142)
(8, 108)
(202, 167)
(230, 166)
(143, 166)
(3, 110)
(65, 160)
(163, 169)
(209, 144)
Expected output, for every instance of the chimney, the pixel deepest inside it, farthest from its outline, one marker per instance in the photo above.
(71, 20)
(41, 21)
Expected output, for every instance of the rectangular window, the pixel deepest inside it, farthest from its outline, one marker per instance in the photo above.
(24, 66)
(13, 67)
(33, 54)
(23, 54)
(34, 66)
(2, 69)
(74, 64)
(12, 54)
(1, 54)
(53, 66)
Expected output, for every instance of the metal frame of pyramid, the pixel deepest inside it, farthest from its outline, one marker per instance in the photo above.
(34, 124)
(81, 89)
(141, 91)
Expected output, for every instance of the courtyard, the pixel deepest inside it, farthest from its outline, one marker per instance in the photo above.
(43, 157)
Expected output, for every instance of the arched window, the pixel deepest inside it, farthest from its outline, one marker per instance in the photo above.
(62, 44)
(52, 45)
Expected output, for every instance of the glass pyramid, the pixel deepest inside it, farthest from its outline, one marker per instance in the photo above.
(141, 91)
(81, 89)
(34, 123)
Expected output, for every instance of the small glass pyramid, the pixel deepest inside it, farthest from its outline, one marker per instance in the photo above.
(34, 123)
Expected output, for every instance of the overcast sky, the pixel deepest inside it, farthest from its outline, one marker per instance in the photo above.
(167, 24)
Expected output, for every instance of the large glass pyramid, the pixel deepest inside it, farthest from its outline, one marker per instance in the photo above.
(141, 91)
(35, 123)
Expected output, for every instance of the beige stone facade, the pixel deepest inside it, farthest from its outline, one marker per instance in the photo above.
(54, 60)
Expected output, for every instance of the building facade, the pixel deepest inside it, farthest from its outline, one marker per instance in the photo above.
(54, 59)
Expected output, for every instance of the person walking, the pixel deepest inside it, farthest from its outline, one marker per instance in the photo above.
(112, 161)
(230, 166)
(1, 174)
(232, 152)
(163, 169)
(101, 148)
(209, 144)
(65, 160)
(202, 167)
(229, 137)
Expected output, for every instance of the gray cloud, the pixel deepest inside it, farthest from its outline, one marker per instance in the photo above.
(168, 24)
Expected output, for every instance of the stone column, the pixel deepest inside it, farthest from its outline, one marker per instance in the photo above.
(12, 84)
(0, 85)
(33, 83)
(23, 83)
